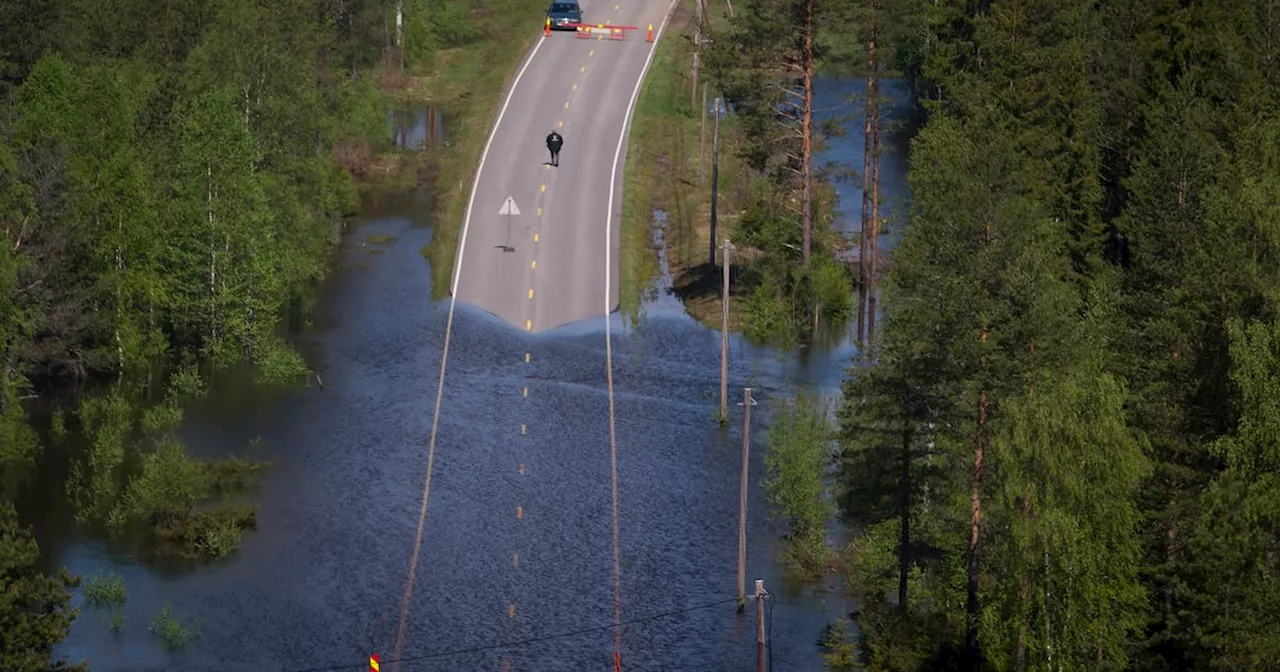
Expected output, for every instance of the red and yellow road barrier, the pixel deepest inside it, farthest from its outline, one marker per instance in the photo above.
(373, 662)
(601, 31)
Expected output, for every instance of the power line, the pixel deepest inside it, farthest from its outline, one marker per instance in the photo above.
(523, 642)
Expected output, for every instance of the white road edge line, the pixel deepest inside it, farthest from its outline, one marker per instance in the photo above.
(608, 334)
(444, 356)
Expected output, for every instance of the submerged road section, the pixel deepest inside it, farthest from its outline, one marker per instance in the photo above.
(539, 245)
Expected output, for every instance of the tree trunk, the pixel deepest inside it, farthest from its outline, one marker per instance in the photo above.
(863, 235)
(904, 543)
(874, 240)
(400, 32)
(972, 611)
(806, 130)
(213, 258)
(1024, 595)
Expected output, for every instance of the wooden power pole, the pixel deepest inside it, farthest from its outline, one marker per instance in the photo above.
(702, 160)
(742, 502)
(760, 625)
(715, 176)
(724, 334)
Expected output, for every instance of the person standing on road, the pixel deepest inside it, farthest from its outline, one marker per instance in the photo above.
(554, 143)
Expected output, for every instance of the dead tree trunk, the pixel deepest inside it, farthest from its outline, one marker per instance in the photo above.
(806, 131)
(864, 236)
(873, 101)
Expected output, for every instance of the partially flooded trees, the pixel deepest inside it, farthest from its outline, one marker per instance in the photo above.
(768, 64)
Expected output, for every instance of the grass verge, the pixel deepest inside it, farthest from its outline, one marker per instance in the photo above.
(666, 170)
(467, 84)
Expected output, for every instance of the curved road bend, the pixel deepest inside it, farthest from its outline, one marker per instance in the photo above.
(555, 274)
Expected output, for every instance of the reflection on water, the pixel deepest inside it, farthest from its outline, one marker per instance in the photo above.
(320, 583)
(416, 128)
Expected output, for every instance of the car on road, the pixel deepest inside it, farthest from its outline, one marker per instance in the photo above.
(564, 15)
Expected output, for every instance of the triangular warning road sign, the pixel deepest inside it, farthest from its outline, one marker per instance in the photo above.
(509, 207)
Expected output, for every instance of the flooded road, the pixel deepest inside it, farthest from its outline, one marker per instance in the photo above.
(517, 543)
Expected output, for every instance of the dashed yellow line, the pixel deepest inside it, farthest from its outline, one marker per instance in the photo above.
(511, 611)
(524, 429)
(582, 69)
(575, 88)
(526, 361)
(533, 264)
(525, 392)
(528, 325)
(544, 188)
(535, 236)
(591, 53)
(531, 293)
(519, 512)
(566, 104)
(539, 214)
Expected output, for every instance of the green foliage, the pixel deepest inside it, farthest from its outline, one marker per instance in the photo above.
(798, 452)
(138, 476)
(1085, 299)
(34, 611)
(105, 591)
(172, 631)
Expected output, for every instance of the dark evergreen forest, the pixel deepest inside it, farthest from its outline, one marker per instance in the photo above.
(1065, 452)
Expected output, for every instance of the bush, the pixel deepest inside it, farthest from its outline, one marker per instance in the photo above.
(105, 591)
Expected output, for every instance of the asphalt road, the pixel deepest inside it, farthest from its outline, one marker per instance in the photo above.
(559, 262)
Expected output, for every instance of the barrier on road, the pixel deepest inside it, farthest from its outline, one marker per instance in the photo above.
(602, 31)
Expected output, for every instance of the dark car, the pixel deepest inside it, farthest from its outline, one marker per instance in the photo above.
(564, 15)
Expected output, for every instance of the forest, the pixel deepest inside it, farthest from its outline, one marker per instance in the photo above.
(1062, 453)
(1060, 447)
(173, 177)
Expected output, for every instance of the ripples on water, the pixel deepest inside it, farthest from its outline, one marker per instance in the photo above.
(321, 582)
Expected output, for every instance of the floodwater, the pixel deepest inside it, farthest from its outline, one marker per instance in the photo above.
(320, 584)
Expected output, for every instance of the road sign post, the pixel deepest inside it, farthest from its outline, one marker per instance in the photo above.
(508, 209)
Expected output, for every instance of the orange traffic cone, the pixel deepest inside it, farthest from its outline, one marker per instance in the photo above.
(650, 33)
(548, 33)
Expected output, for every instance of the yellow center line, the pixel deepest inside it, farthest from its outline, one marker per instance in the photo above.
(528, 325)
(525, 393)
(511, 611)
(575, 87)
(531, 293)
(544, 188)
(591, 53)
(526, 361)
(582, 69)
(533, 264)
(566, 104)
(535, 237)
(519, 512)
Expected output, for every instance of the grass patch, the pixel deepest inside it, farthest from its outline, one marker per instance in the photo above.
(665, 170)
(172, 631)
(105, 590)
(468, 83)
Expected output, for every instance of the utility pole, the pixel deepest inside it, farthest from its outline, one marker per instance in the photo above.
(742, 501)
(724, 334)
(715, 175)
(760, 625)
(702, 161)
(697, 48)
